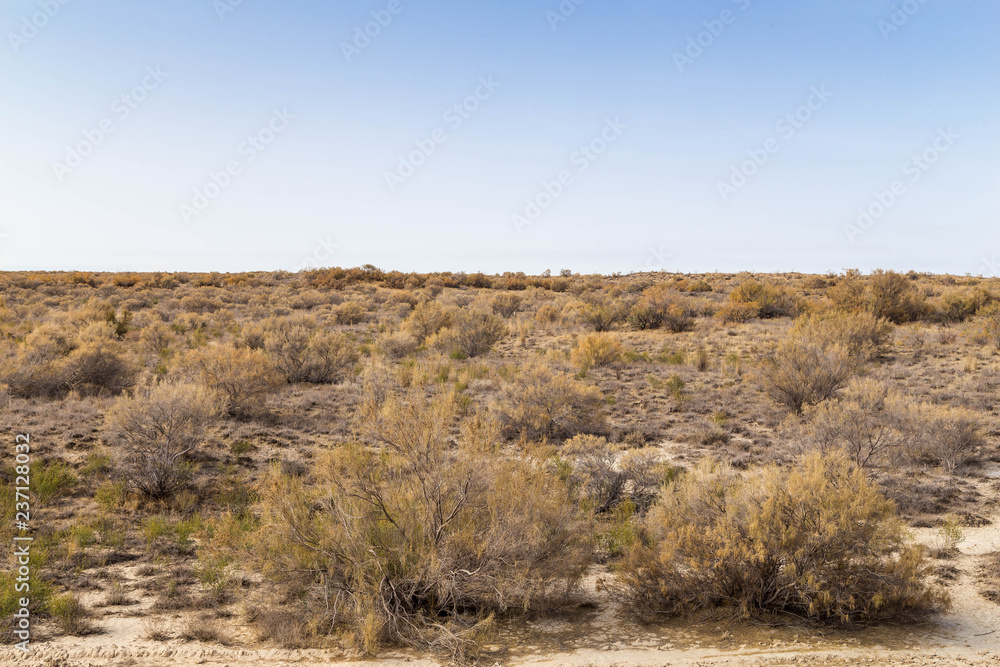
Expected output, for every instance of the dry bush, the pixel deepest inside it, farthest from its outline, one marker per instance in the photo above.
(397, 345)
(948, 436)
(505, 305)
(425, 540)
(602, 477)
(242, 377)
(472, 333)
(428, 318)
(769, 300)
(596, 350)
(870, 421)
(350, 312)
(301, 352)
(864, 336)
(802, 371)
(155, 431)
(986, 330)
(660, 305)
(542, 403)
(816, 542)
(737, 313)
(884, 294)
(603, 313)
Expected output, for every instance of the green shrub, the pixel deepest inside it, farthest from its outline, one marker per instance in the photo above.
(816, 542)
(51, 478)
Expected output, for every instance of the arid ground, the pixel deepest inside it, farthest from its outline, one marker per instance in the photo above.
(371, 467)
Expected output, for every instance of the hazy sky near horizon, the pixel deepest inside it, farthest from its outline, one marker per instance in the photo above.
(525, 135)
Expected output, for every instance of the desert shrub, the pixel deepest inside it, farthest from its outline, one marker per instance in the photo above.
(864, 336)
(70, 615)
(547, 314)
(870, 421)
(986, 331)
(884, 294)
(425, 540)
(947, 435)
(350, 312)
(51, 478)
(241, 376)
(661, 306)
(301, 352)
(603, 313)
(769, 300)
(428, 318)
(99, 367)
(816, 542)
(539, 402)
(472, 333)
(397, 345)
(961, 306)
(802, 371)
(737, 313)
(506, 305)
(596, 350)
(155, 431)
(602, 477)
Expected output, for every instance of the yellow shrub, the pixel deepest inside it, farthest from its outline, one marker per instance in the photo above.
(596, 350)
(818, 542)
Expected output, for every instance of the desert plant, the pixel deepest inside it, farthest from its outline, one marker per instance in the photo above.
(472, 333)
(350, 312)
(602, 313)
(885, 294)
(596, 350)
(156, 430)
(865, 336)
(816, 542)
(303, 353)
(802, 371)
(603, 477)
(986, 331)
(769, 300)
(661, 306)
(423, 540)
(539, 402)
(241, 376)
(737, 313)
(870, 420)
(505, 305)
(947, 435)
(427, 318)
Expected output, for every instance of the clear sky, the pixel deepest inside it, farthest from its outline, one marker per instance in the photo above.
(601, 136)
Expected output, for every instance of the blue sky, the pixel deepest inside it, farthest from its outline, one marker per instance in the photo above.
(258, 135)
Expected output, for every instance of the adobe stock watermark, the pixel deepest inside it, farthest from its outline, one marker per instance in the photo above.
(223, 7)
(786, 127)
(454, 118)
(321, 256)
(365, 34)
(121, 109)
(913, 169)
(248, 150)
(899, 17)
(562, 13)
(990, 266)
(714, 29)
(580, 161)
(32, 24)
